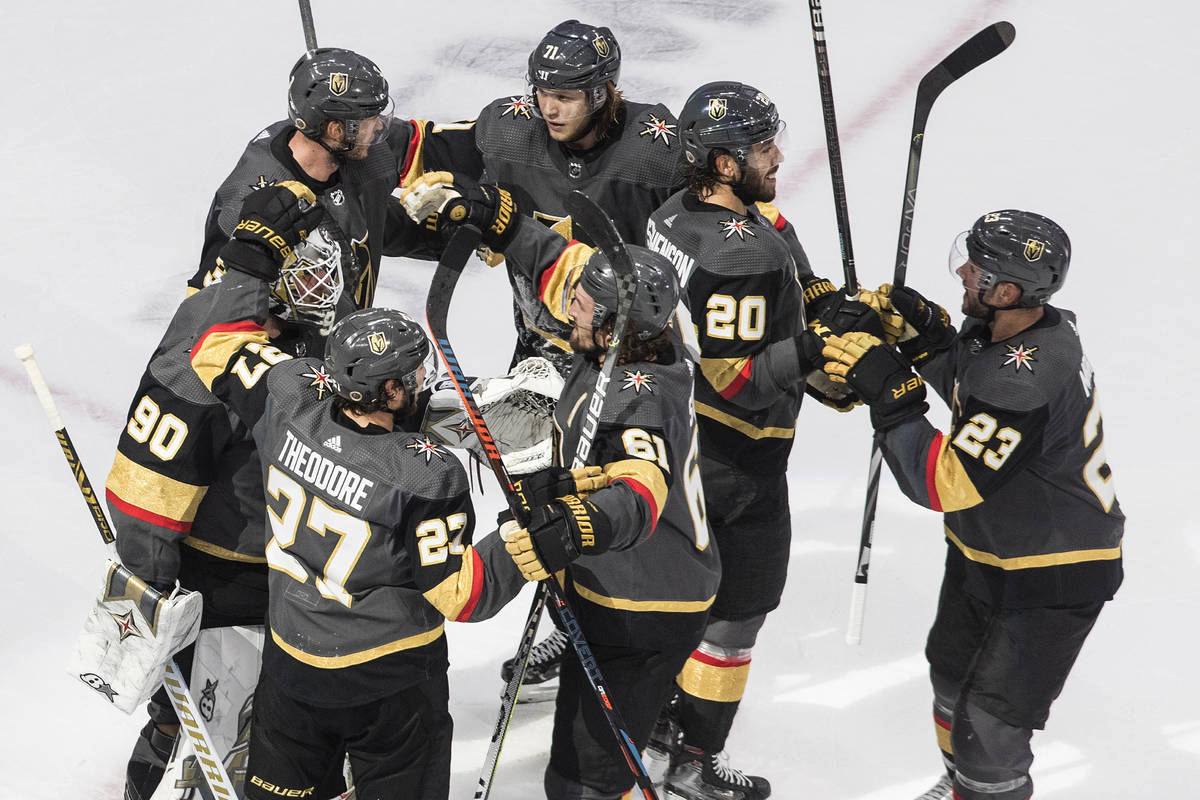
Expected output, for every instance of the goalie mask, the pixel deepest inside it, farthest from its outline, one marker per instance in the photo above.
(372, 346)
(1019, 247)
(310, 284)
(657, 290)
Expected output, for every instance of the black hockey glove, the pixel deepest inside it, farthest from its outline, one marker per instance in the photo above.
(927, 329)
(490, 208)
(274, 220)
(545, 486)
(880, 376)
(557, 534)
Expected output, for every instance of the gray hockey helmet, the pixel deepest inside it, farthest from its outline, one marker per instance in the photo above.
(727, 115)
(369, 347)
(332, 83)
(1021, 247)
(575, 55)
(657, 290)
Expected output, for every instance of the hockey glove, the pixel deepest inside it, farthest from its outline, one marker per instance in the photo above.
(818, 292)
(274, 220)
(557, 534)
(880, 302)
(457, 200)
(880, 376)
(840, 315)
(927, 329)
(838, 396)
(547, 485)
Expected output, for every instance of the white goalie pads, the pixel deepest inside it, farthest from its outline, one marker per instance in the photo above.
(518, 408)
(130, 634)
(224, 673)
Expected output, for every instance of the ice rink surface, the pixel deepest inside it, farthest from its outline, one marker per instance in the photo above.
(122, 118)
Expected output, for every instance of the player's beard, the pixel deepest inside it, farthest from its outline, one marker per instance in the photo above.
(583, 342)
(756, 186)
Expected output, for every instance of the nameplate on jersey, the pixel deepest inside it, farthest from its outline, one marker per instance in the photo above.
(324, 474)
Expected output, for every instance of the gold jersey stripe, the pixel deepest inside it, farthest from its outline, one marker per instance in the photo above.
(1029, 562)
(720, 372)
(647, 474)
(710, 682)
(222, 552)
(212, 353)
(150, 491)
(742, 427)
(451, 596)
(769, 211)
(362, 656)
(558, 288)
(951, 484)
(623, 604)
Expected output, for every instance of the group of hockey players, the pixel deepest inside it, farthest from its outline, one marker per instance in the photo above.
(279, 458)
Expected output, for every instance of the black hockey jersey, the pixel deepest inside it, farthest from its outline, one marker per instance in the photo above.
(741, 278)
(185, 469)
(361, 214)
(655, 585)
(1031, 512)
(370, 548)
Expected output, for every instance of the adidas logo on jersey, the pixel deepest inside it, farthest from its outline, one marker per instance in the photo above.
(669, 221)
(334, 443)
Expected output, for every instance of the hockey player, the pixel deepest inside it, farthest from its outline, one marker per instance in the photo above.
(1032, 523)
(370, 548)
(748, 286)
(185, 491)
(340, 141)
(572, 129)
(640, 568)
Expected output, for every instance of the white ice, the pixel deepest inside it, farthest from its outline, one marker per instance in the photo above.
(121, 118)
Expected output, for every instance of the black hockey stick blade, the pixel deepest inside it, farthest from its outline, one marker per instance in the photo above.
(979, 49)
(604, 233)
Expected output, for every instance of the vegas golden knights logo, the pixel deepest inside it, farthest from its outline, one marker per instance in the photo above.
(377, 342)
(1034, 249)
(339, 82)
(601, 45)
(717, 107)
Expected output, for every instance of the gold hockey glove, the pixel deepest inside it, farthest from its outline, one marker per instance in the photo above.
(557, 534)
(879, 375)
(927, 329)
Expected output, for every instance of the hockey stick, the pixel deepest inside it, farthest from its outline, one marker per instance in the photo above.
(177, 688)
(833, 147)
(980, 48)
(306, 22)
(458, 250)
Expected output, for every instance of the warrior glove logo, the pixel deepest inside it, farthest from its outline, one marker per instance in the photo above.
(339, 82)
(1034, 249)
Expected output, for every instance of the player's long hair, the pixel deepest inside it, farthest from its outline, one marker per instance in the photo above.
(646, 351)
(701, 180)
(611, 116)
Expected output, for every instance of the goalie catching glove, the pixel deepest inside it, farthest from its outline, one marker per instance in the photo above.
(130, 634)
(879, 375)
(444, 201)
(274, 220)
(557, 534)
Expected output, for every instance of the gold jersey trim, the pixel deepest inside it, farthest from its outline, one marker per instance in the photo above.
(955, 490)
(646, 474)
(741, 426)
(451, 596)
(623, 604)
(222, 552)
(1030, 562)
(559, 288)
(362, 656)
(710, 682)
(721, 372)
(152, 491)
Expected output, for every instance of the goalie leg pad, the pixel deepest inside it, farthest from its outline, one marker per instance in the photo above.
(148, 762)
(130, 634)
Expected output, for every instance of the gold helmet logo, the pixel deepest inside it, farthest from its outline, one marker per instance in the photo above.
(377, 342)
(601, 45)
(1034, 249)
(339, 82)
(717, 107)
